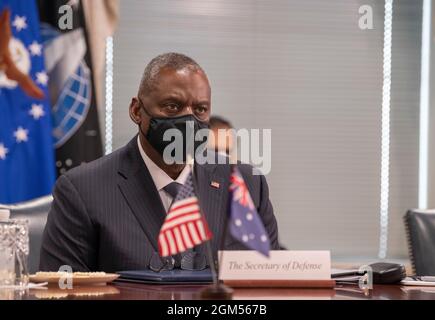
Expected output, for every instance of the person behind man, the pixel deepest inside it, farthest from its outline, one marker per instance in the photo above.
(106, 215)
(224, 142)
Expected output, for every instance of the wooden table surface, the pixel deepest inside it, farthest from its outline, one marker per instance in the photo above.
(124, 291)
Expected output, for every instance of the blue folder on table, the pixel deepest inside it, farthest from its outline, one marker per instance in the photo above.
(176, 276)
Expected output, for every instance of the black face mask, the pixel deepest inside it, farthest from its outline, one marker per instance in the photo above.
(187, 126)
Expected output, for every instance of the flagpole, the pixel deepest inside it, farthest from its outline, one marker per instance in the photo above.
(212, 263)
(209, 251)
(216, 291)
(225, 232)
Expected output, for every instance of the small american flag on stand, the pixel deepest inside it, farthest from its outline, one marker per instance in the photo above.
(184, 226)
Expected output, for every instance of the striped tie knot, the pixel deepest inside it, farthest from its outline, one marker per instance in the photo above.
(172, 189)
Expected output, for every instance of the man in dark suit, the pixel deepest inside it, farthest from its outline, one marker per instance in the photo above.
(106, 215)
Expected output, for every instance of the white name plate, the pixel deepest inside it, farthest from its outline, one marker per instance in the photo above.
(281, 265)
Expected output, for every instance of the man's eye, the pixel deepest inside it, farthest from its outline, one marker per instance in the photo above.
(172, 107)
(201, 110)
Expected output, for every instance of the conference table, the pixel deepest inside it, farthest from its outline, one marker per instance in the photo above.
(133, 291)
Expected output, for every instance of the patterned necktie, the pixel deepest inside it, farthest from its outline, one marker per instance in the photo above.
(172, 189)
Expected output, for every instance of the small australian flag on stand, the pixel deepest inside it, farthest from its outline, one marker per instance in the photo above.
(245, 223)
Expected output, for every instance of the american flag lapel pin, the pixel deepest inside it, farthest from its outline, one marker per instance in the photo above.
(215, 184)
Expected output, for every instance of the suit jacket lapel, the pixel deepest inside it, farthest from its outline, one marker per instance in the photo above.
(213, 201)
(139, 191)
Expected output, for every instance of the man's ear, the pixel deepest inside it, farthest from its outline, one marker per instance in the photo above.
(135, 110)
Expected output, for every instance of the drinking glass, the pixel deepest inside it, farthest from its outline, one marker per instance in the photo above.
(14, 251)
(21, 252)
(8, 233)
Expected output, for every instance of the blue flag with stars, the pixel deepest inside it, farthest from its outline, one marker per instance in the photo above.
(245, 223)
(27, 168)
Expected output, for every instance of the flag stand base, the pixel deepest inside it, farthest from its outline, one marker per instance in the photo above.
(217, 292)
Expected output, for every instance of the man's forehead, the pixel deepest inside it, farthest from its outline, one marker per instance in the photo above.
(183, 79)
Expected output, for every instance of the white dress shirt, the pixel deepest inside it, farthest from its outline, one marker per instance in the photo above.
(160, 177)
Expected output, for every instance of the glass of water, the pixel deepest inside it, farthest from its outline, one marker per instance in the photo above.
(21, 251)
(8, 235)
(14, 251)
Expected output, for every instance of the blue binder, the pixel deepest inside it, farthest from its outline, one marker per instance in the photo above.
(176, 276)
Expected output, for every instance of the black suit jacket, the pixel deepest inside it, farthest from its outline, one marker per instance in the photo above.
(106, 215)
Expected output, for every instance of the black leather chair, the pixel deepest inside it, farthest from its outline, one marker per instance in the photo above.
(420, 226)
(36, 213)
